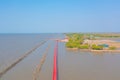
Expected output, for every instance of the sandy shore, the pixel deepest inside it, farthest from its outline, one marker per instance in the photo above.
(98, 42)
(95, 51)
(116, 51)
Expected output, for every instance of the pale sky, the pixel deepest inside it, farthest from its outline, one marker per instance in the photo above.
(51, 16)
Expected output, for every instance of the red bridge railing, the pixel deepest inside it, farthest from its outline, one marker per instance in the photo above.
(55, 70)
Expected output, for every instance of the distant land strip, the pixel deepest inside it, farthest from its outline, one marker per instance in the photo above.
(21, 58)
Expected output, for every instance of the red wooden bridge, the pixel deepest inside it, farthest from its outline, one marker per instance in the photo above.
(55, 68)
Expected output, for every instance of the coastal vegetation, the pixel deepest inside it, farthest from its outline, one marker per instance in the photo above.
(77, 40)
(97, 47)
(112, 48)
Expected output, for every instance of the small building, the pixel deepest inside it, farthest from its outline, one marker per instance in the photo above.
(105, 46)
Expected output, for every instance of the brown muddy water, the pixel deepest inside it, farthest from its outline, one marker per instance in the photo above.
(72, 65)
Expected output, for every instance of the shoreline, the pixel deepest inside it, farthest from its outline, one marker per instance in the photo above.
(89, 50)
